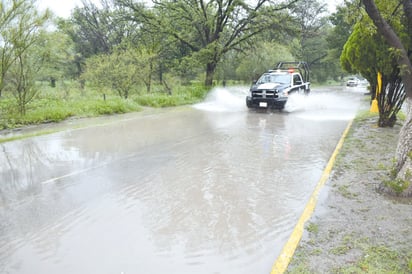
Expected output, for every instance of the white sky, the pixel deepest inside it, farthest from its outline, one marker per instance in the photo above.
(332, 4)
(59, 8)
(64, 8)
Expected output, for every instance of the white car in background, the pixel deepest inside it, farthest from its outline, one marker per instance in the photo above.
(352, 82)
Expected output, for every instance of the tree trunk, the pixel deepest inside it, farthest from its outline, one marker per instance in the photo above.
(390, 100)
(149, 78)
(404, 151)
(52, 82)
(210, 72)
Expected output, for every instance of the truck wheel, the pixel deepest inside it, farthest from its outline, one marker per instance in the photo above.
(248, 102)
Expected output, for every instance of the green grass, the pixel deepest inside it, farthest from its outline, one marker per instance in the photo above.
(67, 100)
(374, 259)
(380, 259)
(344, 190)
(14, 138)
(50, 110)
(182, 96)
(365, 114)
(313, 228)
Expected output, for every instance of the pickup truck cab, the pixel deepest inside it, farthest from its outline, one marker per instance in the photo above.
(272, 89)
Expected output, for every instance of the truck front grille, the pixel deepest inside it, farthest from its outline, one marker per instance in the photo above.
(264, 94)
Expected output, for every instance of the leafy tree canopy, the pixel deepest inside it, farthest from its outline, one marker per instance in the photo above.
(366, 52)
(209, 29)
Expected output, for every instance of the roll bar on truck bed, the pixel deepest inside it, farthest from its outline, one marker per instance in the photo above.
(301, 66)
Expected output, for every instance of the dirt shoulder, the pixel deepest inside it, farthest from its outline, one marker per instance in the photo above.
(356, 229)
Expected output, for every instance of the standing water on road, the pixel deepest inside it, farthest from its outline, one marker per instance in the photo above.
(216, 188)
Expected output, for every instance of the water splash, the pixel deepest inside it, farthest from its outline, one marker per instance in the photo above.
(318, 101)
(322, 105)
(228, 99)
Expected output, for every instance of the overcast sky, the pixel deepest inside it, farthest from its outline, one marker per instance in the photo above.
(59, 8)
(64, 8)
(332, 4)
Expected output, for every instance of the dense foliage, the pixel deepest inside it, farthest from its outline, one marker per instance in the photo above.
(368, 53)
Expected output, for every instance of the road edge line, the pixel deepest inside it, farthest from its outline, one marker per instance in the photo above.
(289, 248)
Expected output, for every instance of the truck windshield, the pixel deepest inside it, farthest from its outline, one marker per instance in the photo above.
(274, 78)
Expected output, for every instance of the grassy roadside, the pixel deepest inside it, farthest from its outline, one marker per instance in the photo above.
(357, 229)
(68, 100)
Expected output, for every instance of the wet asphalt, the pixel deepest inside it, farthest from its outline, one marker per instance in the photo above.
(209, 188)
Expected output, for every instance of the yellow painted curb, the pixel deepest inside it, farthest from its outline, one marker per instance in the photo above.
(288, 250)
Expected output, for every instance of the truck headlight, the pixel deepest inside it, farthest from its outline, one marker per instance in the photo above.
(283, 94)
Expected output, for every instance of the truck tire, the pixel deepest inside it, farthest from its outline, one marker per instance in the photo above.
(248, 102)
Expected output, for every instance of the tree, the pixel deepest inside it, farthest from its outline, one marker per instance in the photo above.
(22, 78)
(337, 36)
(265, 56)
(404, 148)
(367, 52)
(210, 29)
(60, 55)
(310, 18)
(96, 30)
(390, 100)
(120, 71)
(343, 26)
(9, 12)
(21, 54)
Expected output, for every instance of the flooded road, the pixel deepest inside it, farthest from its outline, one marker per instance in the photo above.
(211, 188)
